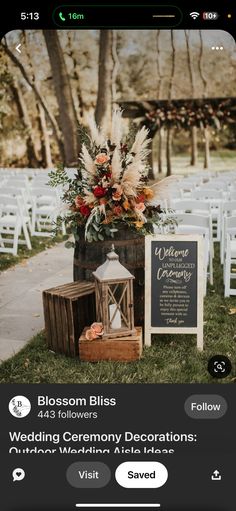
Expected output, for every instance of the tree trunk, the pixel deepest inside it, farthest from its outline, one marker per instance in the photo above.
(116, 65)
(168, 151)
(207, 148)
(38, 96)
(201, 66)
(67, 113)
(160, 78)
(32, 154)
(45, 141)
(170, 96)
(103, 111)
(76, 91)
(194, 152)
(160, 148)
(194, 148)
(150, 162)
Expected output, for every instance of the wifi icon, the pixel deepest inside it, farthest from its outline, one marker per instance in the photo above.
(194, 15)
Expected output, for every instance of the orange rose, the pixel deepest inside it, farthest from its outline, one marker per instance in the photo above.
(138, 224)
(148, 193)
(101, 158)
(140, 207)
(97, 328)
(126, 205)
(90, 334)
(118, 193)
(117, 210)
(103, 201)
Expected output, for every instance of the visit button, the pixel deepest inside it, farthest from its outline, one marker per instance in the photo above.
(141, 474)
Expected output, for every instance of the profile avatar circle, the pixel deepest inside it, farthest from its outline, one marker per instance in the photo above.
(19, 407)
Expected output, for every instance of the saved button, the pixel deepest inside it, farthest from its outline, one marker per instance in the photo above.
(141, 474)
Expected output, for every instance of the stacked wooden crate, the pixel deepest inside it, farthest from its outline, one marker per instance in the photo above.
(67, 310)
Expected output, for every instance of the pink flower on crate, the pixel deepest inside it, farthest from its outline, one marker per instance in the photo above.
(101, 158)
(98, 329)
(90, 334)
(140, 207)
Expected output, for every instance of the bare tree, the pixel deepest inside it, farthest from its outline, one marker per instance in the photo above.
(200, 66)
(160, 76)
(38, 96)
(103, 109)
(170, 94)
(46, 156)
(32, 154)
(194, 151)
(67, 113)
(76, 91)
(204, 81)
(116, 65)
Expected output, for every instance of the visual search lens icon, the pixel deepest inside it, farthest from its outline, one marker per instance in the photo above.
(219, 366)
(19, 407)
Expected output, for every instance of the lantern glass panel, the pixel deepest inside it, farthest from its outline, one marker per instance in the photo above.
(118, 305)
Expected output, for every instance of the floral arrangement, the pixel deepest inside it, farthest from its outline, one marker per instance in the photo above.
(110, 186)
(191, 113)
(94, 332)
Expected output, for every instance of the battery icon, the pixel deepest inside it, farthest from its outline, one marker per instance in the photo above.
(210, 16)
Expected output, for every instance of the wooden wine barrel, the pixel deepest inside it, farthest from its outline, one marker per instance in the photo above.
(130, 248)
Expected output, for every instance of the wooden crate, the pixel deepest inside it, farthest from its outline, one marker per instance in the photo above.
(67, 309)
(125, 349)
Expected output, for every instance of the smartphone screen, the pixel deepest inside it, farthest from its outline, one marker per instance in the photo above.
(118, 257)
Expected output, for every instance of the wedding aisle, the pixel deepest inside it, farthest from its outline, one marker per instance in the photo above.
(21, 309)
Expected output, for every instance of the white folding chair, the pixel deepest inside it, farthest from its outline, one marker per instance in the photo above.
(191, 206)
(198, 224)
(12, 225)
(230, 259)
(232, 195)
(44, 203)
(228, 209)
(214, 198)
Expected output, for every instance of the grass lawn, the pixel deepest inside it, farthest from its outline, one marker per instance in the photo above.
(38, 245)
(171, 359)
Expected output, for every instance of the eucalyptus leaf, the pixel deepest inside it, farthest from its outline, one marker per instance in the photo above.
(69, 244)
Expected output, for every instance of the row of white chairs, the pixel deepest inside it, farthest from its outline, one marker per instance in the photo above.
(21, 216)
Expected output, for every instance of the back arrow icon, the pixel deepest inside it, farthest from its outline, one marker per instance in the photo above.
(18, 48)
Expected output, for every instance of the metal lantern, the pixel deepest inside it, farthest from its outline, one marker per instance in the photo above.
(114, 297)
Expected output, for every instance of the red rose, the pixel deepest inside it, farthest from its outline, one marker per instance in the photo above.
(141, 198)
(117, 210)
(84, 210)
(99, 191)
(78, 201)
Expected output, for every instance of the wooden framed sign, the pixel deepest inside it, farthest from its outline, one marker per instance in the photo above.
(174, 285)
